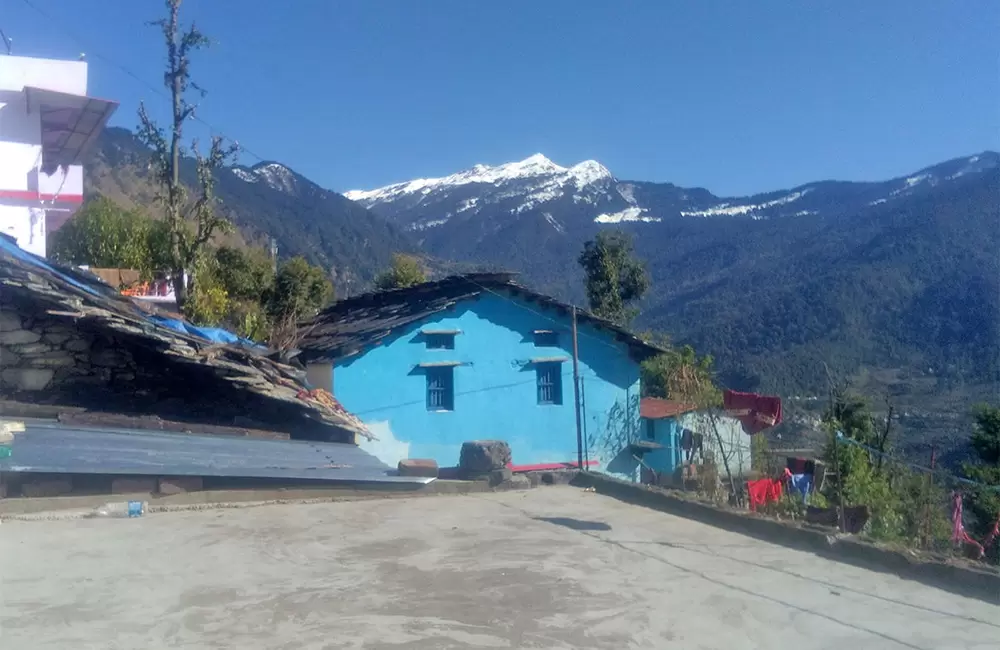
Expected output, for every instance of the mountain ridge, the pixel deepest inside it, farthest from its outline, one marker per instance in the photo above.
(796, 257)
(268, 199)
(656, 201)
(771, 293)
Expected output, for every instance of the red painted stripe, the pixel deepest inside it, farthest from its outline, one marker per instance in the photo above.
(539, 467)
(28, 195)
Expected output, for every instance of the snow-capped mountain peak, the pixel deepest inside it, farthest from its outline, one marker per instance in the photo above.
(533, 166)
(537, 191)
(536, 167)
(589, 171)
(273, 174)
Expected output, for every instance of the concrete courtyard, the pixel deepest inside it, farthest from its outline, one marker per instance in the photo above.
(553, 567)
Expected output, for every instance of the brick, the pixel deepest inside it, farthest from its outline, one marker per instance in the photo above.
(9, 321)
(179, 484)
(21, 337)
(46, 487)
(27, 379)
(128, 485)
(418, 467)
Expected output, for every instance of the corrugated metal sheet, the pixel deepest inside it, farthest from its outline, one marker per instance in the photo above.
(56, 448)
(656, 408)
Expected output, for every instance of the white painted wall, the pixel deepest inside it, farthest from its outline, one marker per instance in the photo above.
(735, 443)
(20, 147)
(16, 72)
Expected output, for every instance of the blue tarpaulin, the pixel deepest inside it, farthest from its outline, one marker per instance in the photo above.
(9, 246)
(214, 334)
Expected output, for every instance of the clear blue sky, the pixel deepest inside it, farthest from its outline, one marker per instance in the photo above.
(733, 96)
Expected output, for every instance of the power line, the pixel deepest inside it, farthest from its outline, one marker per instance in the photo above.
(474, 391)
(6, 41)
(69, 32)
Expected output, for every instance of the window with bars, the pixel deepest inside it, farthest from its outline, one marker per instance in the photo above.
(549, 380)
(546, 339)
(440, 340)
(440, 388)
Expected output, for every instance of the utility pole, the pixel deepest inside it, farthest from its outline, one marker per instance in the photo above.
(576, 395)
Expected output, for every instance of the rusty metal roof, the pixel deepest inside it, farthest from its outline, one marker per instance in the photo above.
(657, 408)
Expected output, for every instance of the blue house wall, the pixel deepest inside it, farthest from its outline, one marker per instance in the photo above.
(495, 388)
(665, 432)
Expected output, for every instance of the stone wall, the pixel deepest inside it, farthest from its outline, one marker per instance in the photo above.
(40, 352)
(58, 360)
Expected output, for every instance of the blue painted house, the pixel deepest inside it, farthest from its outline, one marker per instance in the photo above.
(478, 356)
(677, 433)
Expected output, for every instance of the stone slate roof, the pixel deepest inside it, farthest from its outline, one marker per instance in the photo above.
(239, 378)
(352, 325)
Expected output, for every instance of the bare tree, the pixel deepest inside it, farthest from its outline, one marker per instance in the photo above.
(192, 220)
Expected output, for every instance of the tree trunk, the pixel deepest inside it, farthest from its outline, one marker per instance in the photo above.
(180, 288)
(173, 192)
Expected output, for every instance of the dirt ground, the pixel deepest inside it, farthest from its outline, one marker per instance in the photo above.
(547, 568)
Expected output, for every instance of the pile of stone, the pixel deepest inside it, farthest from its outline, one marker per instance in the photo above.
(489, 460)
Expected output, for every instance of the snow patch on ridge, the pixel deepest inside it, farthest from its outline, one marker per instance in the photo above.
(277, 176)
(627, 215)
(554, 223)
(244, 175)
(729, 209)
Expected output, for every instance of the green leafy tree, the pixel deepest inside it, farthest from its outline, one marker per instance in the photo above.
(681, 375)
(300, 290)
(103, 234)
(186, 241)
(905, 506)
(245, 274)
(405, 271)
(615, 278)
(209, 305)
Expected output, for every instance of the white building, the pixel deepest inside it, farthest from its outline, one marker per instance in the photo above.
(47, 124)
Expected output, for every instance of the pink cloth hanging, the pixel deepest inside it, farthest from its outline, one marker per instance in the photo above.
(959, 535)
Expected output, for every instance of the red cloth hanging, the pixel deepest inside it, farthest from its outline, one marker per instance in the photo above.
(755, 412)
(763, 491)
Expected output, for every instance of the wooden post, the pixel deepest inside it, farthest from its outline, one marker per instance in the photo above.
(840, 481)
(576, 396)
(725, 461)
(927, 498)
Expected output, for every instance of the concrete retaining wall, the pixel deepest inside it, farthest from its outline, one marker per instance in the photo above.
(981, 583)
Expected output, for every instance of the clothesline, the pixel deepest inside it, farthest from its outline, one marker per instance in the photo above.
(929, 470)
